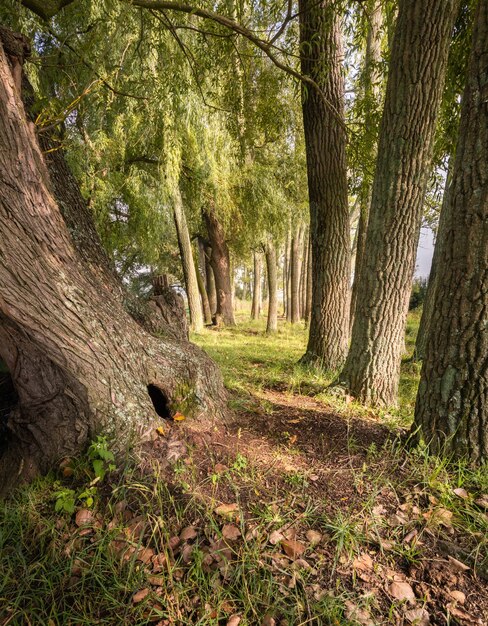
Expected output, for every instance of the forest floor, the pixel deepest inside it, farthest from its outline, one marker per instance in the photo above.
(305, 509)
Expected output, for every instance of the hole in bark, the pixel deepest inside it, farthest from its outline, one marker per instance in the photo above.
(8, 400)
(160, 401)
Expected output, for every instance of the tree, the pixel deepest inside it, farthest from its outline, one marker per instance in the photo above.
(414, 89)
(296, 265)
(452, 403)
(188, 263)
(80, 364)
(325, 140)
(271, 267)
(256, 291)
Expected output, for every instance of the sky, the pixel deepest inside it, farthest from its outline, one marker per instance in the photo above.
(425, 251)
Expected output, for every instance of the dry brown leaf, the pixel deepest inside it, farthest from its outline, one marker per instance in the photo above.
(313, 537)
(292, 548)
(459, 596)
(140, 595)
(461, 493)
(188, 533)
(457, 566)
(402, 591)
(234, 620)
(156, 581)
(275, 537)
(174, 542)
(84, 517)
(363, 563)
(482, 501)
(230, 532)
(158, 561)
(220, 468)
(268, 620)
(145, 555)
(463, 616)
(418, 617)
(227, 510)
(354, 613)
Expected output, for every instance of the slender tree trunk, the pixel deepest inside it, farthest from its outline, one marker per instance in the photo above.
(210, 280)
(415, 81)
(256, 292)
(244, 283)
(187, 262)
(220, 262)
(207, 314)
(271, 266)
(452, 403)
(288, 276)
(308, 297)
(80, 364)
(371, 95)
(304, 272)
(325, 141)
(295, 275)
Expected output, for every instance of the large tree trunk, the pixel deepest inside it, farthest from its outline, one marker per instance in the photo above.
(80, 364)
(325, 141)
(220, 262)
(415, 81)
(452, 403)
(371, 86)
(256, 291)
(272, 323)
(187, 262)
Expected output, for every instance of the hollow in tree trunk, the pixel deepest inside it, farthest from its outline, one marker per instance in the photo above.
(414, 89)
(325, 143)
(272, 272)
(452, 402)
(220, 262)
(80, 364)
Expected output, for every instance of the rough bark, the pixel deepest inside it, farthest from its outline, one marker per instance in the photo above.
(371, 93)
(167, 315)
(304, 274)
(187, 262)
(80, 364)
(325, 142)
(414, 89)
(256, 290)
(272, 273)
(220, 262)
(452, 403)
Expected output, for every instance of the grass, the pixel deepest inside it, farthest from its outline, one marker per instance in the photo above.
(392, 504)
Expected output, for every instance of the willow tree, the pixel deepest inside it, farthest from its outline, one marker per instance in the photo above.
(80, 364)
(325, 140)
(414, 89)
(452, 403)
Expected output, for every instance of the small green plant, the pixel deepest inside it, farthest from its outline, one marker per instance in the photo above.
(102, 459)
(65, 500)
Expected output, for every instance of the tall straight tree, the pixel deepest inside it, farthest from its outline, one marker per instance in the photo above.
(272, 273)
(188, 263)
(452, 403)
(325, 141)
(414, 89)
(256, 286)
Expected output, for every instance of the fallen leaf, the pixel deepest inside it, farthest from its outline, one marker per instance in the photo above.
(461, 493)
(178, 417)
(418, 617)
(230, 532)
(268, 620)
(459, 596)
(84, 517)
(363, 563)
(220, 468)
(226, 510)
(156, 581)
(174, 542)
(456, 565)
(482, 501)
(402, 591)
(234, 620)
(463, 616)
(314, 537)
(275, 537)
(292, 548)
(145, 555)
(354, 613)
(188, 533)
(140, 595)
(160, 431)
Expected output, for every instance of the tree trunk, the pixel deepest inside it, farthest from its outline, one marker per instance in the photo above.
(452, 403)
(296, 265)
(209, 278)
(308, 297)
(80, 364)
(325, 142)
(288, 277)
(220, 262)
(271, 267)
(304, 275)
(207, 314)
(256, 291)
(187, 262)
(415, 81)
(371, 95)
